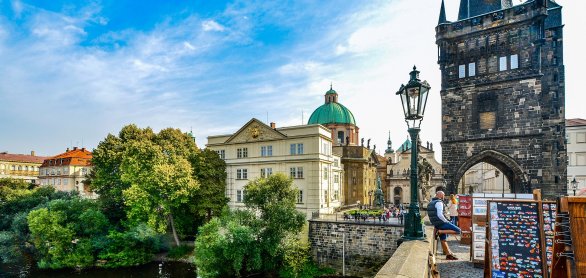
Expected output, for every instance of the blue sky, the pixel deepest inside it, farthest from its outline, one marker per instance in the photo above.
(73, 71)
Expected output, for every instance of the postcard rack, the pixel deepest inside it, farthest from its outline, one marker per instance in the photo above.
(569, 249)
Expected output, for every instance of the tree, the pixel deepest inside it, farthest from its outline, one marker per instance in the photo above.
(210, 170)
(160, 181)
(252, 240)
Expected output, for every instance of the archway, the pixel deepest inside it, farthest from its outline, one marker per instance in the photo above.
(398, 195)
(510, 173)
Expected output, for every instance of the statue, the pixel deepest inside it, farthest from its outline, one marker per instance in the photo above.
(378, 194)
(368, 144)
(374, 148)
(362, 142)
(424, 173)
(347, 140)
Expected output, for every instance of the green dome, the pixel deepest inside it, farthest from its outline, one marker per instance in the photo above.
(331, 113)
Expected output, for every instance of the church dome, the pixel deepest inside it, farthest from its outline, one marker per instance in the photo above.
(332, 112)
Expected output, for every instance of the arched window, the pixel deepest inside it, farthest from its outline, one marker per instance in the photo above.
(341, 137)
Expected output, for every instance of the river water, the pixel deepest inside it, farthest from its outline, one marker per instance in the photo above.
(150, 270)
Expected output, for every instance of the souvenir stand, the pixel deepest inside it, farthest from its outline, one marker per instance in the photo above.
(515, 239)
(479, 221)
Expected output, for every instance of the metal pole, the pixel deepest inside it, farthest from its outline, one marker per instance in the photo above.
(413, 227)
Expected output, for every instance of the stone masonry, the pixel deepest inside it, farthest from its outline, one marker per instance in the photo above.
(503, 95)
(368, 246)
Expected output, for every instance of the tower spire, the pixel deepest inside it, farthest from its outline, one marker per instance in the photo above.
(442, 15)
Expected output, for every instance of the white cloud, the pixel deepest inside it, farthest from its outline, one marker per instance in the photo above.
(210, 25)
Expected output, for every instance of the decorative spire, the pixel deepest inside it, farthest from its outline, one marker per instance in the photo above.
(389, 145)
(442, 15)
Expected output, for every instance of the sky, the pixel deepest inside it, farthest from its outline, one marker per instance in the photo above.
(72, 71)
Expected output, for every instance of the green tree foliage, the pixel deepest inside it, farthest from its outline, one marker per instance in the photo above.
(129, 248)
(161, 179)
(252, 240)
(60, 235)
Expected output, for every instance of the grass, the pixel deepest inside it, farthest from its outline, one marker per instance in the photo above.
(180, 251)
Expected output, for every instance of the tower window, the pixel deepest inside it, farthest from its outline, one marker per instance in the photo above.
(514, 61)
(461, 71)
(503, 63)
(472, 69)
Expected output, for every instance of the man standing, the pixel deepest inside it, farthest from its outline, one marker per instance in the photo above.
(435, 211)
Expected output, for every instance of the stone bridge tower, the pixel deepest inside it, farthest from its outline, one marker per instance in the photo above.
(503, 93)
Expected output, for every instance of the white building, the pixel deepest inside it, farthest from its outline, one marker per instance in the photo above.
(68, 171)
(485, 178)
(576, 142)
(302, 152)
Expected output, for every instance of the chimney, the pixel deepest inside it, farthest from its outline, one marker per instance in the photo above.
(32, 153)
(67, 150)
(273, 125)
(74, 148)
(83, 149)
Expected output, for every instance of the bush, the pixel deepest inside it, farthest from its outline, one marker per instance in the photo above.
(180, 252)
(130, 248)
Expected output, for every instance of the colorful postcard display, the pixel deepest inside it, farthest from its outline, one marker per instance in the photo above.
(515, 239)
(549, 214)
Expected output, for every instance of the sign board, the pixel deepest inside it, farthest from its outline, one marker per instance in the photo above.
(479, 212)
(515, 240)
(465, 217)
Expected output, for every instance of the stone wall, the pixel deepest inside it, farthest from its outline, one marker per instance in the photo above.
(368, 246)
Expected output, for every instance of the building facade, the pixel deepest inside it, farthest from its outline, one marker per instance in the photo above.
(503, 93)
(576, 139)
(68, 171)
(398, 173)
(360, 161)
(485, 178)
(20, 166)
(302, 152)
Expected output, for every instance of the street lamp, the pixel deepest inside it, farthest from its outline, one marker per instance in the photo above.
(370, 199)
(574, 185)
(413, 98)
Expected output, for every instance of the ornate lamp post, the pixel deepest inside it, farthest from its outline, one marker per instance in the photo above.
(413, 98)
(574, 185)
(370, 199)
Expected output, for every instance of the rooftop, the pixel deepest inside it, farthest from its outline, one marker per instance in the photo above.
(575, 122)
(4, 156)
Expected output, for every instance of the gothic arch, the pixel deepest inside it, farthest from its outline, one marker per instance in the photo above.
(504, 163)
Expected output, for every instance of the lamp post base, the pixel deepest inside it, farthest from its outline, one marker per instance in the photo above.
(413, 226)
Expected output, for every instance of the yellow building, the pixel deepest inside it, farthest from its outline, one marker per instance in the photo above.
(20, 166)
(67, 171)
(302, 152)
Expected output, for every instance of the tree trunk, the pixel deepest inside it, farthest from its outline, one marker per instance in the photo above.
(173, 229)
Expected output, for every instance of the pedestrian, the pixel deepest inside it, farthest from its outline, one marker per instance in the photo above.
(435, 211)
(453, 209)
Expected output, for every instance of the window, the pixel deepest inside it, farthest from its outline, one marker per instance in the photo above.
(514, 61)
(241, 174)
(325, 173)
(83, 171)
(336, 163)
(222, 154)
(325, 196)
(472, 69)
(266, 151)
(503, 63)
(336, 195)
(65, 181)
(581, 137)
(461, 71)
(266, 172)
(58, 181)
(336, 179)
(340, 137)
(296, 173)
(12, 167)
(242, 152)
(580, 159)
(300, 197)
(239, 196)
(296, 149)
(326, 149)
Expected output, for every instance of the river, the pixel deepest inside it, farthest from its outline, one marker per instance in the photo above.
(150, 270)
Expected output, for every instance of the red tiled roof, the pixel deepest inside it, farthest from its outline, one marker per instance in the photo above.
(575, 122)
(4, 156)
(78, 157)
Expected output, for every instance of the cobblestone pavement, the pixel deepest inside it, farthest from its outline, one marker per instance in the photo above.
(463, 267)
